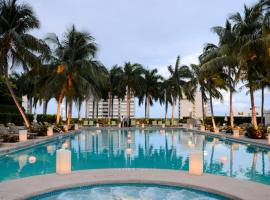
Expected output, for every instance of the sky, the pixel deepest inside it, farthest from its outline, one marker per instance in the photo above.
(152, 32)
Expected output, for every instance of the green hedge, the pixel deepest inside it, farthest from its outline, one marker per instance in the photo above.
(8, 109)
(18, 120)
(237, 120)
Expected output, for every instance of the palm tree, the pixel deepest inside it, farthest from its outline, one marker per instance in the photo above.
(116, 86)
(151, 86)
(74, 66)
(199, 80)
(180, 82)
(213, 79)
(226, 60)
(253, 44)
(17, 46)
(165, 96)
(132, 79)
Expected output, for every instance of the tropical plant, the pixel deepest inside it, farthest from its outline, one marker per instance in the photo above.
(75, 69)
(181, 83)
(165, 96)
(132, 78)
(17, 46)
(151, 83)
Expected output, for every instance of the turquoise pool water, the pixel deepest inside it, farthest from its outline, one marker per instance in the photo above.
(146, 149)
(129, 192)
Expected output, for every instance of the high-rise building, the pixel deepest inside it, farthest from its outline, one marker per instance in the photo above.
(187, 108)
(101, 109)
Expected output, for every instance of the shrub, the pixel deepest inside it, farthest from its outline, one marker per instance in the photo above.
(261, 133)
(10, 138)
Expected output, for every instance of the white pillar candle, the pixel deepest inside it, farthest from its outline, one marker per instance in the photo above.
(202, 128)
(63, 162)
(190, 126)
(236, 133)
(50, 131)
(76, 127)
(129, 141)
(216, 130)
(97, 125)
(129, 151)
(119, 125)
(268, 138)
(196, 162)
(22, 135)
(142, 125)
(163, 125)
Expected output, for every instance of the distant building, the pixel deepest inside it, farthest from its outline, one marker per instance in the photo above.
(246, 112)
(187, 108)
(101, 109)
(26, 105)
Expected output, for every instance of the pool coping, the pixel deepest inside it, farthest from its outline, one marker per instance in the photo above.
(47, 139)
(232, 188)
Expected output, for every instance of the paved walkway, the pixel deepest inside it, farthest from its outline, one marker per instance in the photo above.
(229, 187)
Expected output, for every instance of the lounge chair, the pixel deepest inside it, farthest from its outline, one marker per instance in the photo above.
(85, 123)
(154, 123)
(91, 123)
(168, 123)
(3, 130)
(133, 123)
(160, 123)
(15, 130)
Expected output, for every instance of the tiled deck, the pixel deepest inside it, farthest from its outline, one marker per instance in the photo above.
(229, 187)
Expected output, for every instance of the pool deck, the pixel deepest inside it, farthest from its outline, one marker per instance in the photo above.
(229, 187)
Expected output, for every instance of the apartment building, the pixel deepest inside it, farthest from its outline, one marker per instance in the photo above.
(187, 108)
(101, 109)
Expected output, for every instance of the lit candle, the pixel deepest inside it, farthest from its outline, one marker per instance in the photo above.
(142, 125)
(76, 127)
(97, 125)
(236, 133)
(196, 163)
(202, 128)
(163, 125)
(63, 162)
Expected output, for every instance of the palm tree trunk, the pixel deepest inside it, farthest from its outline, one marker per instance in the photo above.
(69, 114)
(93, 110)
(166, 110)
(128, 106)
(59, 101)
(203, 110)
(262, 111)
(253, 111)
(79, 111)
(45, 106)
(212, 113)
(145, 108)
(86, 106)
(97, 109)
(27, 124)
(148, 107)
(173, 107)
(231, 110)
(31, 105)
(112, 107)
(66, 109)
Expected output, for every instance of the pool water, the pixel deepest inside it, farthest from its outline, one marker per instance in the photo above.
(129, 192)
(93, 149)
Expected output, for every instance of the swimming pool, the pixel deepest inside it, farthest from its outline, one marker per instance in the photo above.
(129, 192)
(153, 148)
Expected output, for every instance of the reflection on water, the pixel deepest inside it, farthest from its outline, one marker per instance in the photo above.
(142, 149)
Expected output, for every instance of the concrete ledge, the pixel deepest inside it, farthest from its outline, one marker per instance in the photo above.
(229, 187)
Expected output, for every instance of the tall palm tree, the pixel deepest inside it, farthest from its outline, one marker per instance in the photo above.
(150, 92)
(180, 82)
(226, 60)
(116, 86)
(165, 96)
(74, 66)
(199, 80)
(213, 79)
(17, 46)
(253, 46)
(132, 79)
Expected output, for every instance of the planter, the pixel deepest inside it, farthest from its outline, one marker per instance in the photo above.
(163, 125)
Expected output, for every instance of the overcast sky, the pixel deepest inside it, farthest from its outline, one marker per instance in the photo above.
(150, 32)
